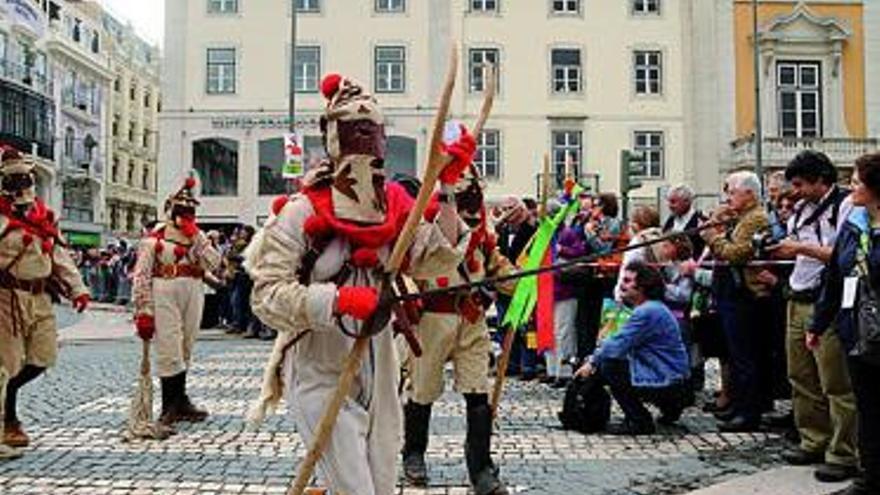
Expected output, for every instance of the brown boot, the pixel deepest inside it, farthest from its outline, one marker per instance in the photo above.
(186, 409)
(14, 436)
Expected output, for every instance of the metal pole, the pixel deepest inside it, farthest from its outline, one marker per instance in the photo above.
(759, 134)
(292, 62)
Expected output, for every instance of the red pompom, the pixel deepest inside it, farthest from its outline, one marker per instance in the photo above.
(330, 85)
(317, 227)
(27, 240)
(179, 251)
(50, 216)
(189, 183)
(278, 204)
(9, 152)
(365, 258)
(473, 265)
(159, 247)
(442, 281)
(47, 246)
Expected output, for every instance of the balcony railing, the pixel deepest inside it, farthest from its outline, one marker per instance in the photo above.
(26, 76)
(778, 151)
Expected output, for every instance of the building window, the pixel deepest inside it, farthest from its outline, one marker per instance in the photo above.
(566, 70)
(115, 127)
(390, 5)
(221, 70)
(566, 6)
(145, 178)
(114, 170)
(222, 6)
(799, 99)
(484, 5)
(146, 100)
(488, 156)
(69, 138)
(216, 162)
(307, 69)
(479, 58)
(146, 140)
(308, 5)
(646, 6)
(271, 161)
(566, 147)
(114, 221)
(131, 171)
(648, 72)
(131, 133)
(3, 42)
(117, 85)
(390, 69)
(96, 42)
(132, 91)
(650, 144)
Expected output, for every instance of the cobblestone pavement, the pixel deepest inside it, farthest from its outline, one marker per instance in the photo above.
(75, 415)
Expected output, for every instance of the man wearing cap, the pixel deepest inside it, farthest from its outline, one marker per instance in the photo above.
(316, 267)
(453, 329)
(33, 262)
(168, 295)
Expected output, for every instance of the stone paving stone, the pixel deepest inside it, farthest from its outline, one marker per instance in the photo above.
(75, 415)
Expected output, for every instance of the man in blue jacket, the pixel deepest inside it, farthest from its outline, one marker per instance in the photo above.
(646, 361)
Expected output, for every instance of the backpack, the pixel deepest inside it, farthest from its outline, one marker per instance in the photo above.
(587, 405)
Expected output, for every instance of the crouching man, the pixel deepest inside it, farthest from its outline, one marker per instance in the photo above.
(646, 361)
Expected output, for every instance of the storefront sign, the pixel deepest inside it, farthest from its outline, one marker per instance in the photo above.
(83, 239)
(260, 122)
(25, 13)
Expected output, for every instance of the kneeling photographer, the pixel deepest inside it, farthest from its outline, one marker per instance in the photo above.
(822, 396)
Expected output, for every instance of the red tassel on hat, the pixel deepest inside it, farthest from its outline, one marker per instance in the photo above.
(317, 226)
(278, 204)
(330, 85)
(179, 252)
(189, 183)
(365, 258)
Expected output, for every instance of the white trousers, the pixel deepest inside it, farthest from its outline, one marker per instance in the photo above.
(565, 337)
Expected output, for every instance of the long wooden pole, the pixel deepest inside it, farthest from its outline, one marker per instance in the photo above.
(435, 163)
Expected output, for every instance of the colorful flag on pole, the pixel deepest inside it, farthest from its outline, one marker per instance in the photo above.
(293, 157)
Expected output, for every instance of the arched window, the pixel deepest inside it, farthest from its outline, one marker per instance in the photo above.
(216, 162)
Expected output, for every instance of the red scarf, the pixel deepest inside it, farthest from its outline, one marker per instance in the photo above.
(39, 219)
(369, 236)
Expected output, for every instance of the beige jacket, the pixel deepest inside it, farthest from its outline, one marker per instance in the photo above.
(282, 303)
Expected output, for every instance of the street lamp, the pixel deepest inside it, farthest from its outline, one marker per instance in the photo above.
(759, 134)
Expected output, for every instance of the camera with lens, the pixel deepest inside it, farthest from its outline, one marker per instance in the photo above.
(762, 243)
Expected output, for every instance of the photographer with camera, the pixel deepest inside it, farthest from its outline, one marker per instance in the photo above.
(741, 296)
(822, 396)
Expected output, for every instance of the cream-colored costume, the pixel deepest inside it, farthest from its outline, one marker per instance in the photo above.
(360, 459)
(171, 290)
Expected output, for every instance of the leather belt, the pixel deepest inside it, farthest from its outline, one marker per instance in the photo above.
(178, 271)
(464, 305)
(35, 287)
(804, 296)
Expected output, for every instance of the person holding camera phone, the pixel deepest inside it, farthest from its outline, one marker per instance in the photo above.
(822, 395)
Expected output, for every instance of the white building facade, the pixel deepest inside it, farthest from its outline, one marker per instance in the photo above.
(131, 200)
(578, 79)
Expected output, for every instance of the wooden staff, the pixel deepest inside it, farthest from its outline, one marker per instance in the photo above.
(436, 161)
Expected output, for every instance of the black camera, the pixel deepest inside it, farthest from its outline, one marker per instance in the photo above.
(762, 243)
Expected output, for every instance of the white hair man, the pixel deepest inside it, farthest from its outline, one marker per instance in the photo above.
(741, 295)
(683, 216)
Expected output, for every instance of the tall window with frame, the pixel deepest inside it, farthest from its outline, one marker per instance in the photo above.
(390, 69)
(478, 59)
(484, 5)
(799, 99)
(390, 6)
(222, 6)
(221, 71)
(310, 6)
(487, 159)
(567, 146)
(3, 63)
(566, 63)
(648, 71)
(306, 69)
(565, 7)
(650, 144)
(646, 7)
